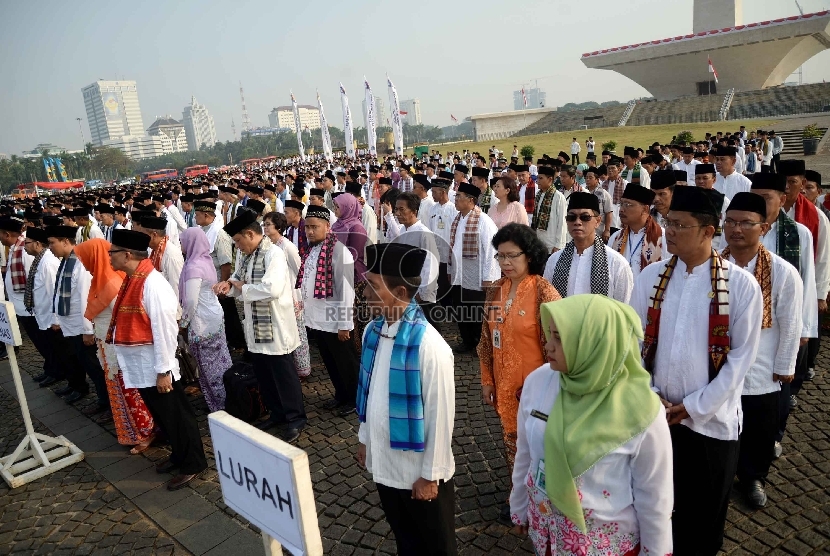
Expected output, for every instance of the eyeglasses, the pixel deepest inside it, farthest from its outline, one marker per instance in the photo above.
(112, 251)
(628, 205)
(743, 224)
(584, 217)
(501, 257)
(675, 225)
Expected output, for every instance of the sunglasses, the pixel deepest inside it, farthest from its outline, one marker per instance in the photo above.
(584, 217)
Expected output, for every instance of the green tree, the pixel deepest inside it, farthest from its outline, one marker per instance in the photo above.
(527, 150)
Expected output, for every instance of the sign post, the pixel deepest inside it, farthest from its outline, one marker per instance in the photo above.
(268, 482)
(37, 455)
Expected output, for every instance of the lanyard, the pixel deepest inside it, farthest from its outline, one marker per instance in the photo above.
(634, 250)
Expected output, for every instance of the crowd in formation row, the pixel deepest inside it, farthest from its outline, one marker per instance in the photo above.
(643, 323)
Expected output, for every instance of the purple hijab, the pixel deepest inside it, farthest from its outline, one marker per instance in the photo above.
(198, 263)
(350, 231)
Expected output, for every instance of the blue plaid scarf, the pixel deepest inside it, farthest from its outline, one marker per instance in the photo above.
(63, 285)
(406, 407)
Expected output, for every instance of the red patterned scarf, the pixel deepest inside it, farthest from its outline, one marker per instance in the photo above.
(324, 274)
(530, 197)
(16, 266)
(469, 247)
(763, 275)
(806, 213)
(651, 250)
(158, 254)
(719, 343)
(133, 324)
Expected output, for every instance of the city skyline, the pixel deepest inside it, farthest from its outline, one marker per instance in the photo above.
(91, 45)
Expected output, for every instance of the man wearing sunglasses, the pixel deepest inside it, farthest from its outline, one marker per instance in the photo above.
(586, 264)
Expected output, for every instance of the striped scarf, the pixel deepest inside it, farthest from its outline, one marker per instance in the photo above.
(85, 231)
(650, 251)
(541, 217)
(406, 406)
(719, 344)
(29, 296)
(324, 273)
(763, 275)
(16, 266)
(302, 240)
(599, 269)
(469, 247)
(63, 285)
(788, 244)
(616, 188)
(260, 310)
(530, 197)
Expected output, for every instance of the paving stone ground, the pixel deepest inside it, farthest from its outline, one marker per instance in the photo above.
(115, 503)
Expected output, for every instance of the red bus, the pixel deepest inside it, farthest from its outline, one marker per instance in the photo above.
(249, 162)
(160, 175)
(194, 171)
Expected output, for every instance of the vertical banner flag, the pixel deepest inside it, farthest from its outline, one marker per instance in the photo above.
(371, 133)
(297, 127)
(324, 126)
(347, 123)
(397, 128)
(453, 118)
(524, 97)
(61, 171)
(50, 176)
(712, 70)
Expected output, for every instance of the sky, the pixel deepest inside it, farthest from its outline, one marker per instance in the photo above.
(461, 57)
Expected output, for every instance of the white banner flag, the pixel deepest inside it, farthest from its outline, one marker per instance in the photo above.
(297, 127)
(397, 127)
(347, 123)
(324, 127)
(371, 120)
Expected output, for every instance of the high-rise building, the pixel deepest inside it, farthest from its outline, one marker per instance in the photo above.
(381, 115)
(283, 117)
(536, 98)
(112, 110)
(198, 126)
(412, 107)
(137, 147)
(172, 134)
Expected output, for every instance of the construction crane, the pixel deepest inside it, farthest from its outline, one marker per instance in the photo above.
(246, 121)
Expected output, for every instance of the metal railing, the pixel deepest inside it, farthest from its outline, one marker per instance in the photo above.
(727, 102)
(627, 114)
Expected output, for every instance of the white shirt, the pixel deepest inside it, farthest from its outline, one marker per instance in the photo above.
(94, 232)
(425, 209)
(334, 313)
(44, 290)
(575, 147)
(201, 312)
(634, 248)
(556, 235)
(620, 279)
(645, 179)
(172, 262)
(419, 235)
(732, 184)
(17, 298)
(276, 288)
(778, 346)
(807, 271)
(74, 324)
(292, 257)
(822, 256)
(370, 223)
(681, 364)
(176, 216)
(470, 273)
(141, 365)
(689, 168)
(440, 222)
(401, 468)
(629, 490)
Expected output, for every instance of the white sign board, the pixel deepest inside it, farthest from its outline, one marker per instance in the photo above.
(266, 481)
(9, 331)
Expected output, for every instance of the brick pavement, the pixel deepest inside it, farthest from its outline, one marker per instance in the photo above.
(194, 520)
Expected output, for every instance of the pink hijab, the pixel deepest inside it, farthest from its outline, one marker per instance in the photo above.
(198, 263)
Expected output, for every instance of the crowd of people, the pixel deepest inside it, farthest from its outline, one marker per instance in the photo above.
(624, 427)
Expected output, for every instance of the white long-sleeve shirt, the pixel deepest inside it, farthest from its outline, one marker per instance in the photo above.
(778, 346)
(336, 312)
(732, 184)
(74, 324)
(688, 168)
(419, 235)
(470, 273)
(807, 271)
(141, 365)
(44, 290)
(440, 222)
(276, 288)
(681, 364)
(629, 490)
(17, 298)
(401, 468)
(175, 215)
(822, 256)
(201, 312)
(555, 237)
(634, 248)
(370, 223)
(620, 279)
(172, 262)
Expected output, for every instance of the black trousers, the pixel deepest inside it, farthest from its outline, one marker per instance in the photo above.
(89, 364)
(233, 326)
(791, 389)
(765, 169)
(444, 287)
(280, 387)
(776, 163)
(575, 159)
(704, 469)
(469, 305)
(432, 311)
(758, 436)
(43, 345)
(420, 526)
(342, 363)
(174, 414)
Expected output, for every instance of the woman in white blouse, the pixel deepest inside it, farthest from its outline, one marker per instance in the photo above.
(203, 317)
(593, 471)
(273, 226)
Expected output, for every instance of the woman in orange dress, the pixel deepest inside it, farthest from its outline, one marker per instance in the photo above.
(512, 340)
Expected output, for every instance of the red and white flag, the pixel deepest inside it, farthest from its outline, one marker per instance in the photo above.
(453, 118)
(402, 113)
(524, 97)
(712, 70)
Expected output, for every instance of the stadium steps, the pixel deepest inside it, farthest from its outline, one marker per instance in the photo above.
(793, 145)
(781, 101)
(574, 120)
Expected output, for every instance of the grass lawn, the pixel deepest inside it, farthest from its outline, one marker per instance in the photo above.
(635, 136)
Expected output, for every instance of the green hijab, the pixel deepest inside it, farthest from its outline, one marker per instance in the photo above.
(605, 398)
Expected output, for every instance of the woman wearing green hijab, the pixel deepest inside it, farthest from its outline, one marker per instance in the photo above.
(593, 471)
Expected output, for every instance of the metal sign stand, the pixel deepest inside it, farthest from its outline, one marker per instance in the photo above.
(37, 455)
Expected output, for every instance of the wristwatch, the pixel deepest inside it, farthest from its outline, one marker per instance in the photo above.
(168, 373)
